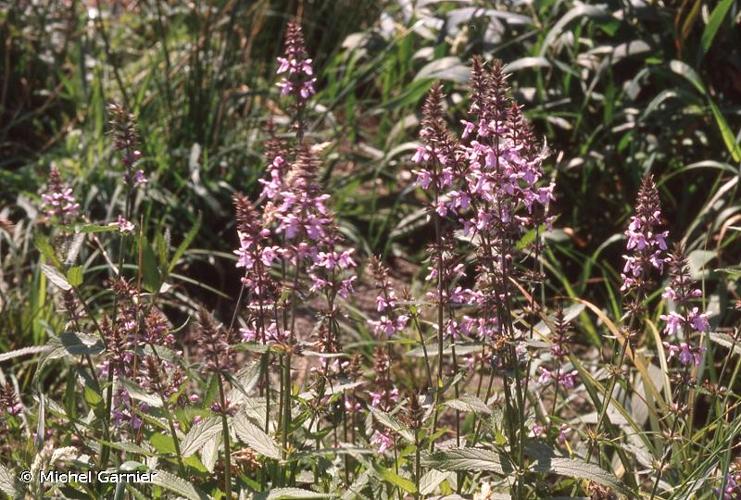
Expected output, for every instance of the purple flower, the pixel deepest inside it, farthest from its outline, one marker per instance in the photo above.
(124, 226)
(674, 323)
(58, 202)
(382, 440)
(698, 320)
(645, 243)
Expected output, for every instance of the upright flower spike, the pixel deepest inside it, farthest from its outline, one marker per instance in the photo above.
(126, 142)
(686, 321)
(58, 202)
(297, 67)
(646, 242)
(392, 319)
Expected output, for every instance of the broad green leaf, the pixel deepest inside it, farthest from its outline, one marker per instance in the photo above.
(467, 459)
(136, 392)
(162, 443)
(294, 493)
(726, 341)
(469, 403)
(7, 482)
(429, 482)
(177, 485)
(255, 437)
(56, 277)
(393, 423)
(24, 351)
(579, 469)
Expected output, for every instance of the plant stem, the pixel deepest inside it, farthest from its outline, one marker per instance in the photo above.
(225, 437)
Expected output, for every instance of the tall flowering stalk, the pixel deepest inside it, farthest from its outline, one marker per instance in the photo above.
(682, 326)
(489, 185)
(292, 230)
(646, 246)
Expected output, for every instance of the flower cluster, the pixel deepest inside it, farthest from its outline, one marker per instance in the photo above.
(685, 320)
(299, 77)
(646, 243)
(126, 141)
(491, 180)
(9, 400)
(134, 327)
(392, 319)
(58, 202)
(214, 344)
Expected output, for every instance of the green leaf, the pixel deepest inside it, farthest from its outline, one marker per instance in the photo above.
(393, 478)
(726, 341)
(139, 394)
(199, 435)
(431, 480)
(711, 29)
(46, 250)
(74, 276)
(150, 271)
(56, 277)
(578, 469)
(255, 437)
(294, 493)
(163, 443)
(78, 344)
(467, 459)
(24, 351)
(469, 403)
(392, 423)
(176, 484)
(725, 132)
(7, 482)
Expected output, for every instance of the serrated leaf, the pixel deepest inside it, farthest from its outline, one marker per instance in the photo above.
(139, 394)
(56, 277)
(199, 435)
(469, 403)
(210, 452)
(7, 482)
(467, 459)
(294, 493)
(726, 341)
(80, 344)
(177, 485)
(255, 437)
(429, 482)
(579, 469)
(393, 423)
(24, 351)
